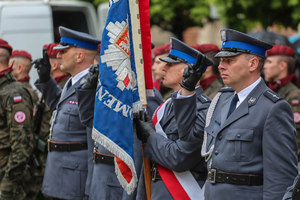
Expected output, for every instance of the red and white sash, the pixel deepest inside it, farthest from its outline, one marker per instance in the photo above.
(181, 185)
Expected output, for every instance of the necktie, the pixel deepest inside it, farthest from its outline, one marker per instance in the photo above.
(69, 84)
(233, 104)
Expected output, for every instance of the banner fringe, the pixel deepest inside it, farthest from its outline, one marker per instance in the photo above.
(119, 152)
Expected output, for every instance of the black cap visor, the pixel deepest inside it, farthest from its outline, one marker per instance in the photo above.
(227, 54)
(63, 46)
(172, 59)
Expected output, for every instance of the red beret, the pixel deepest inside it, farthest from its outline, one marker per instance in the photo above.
(20, 53)
(281, 50)
(205, 48)
(51, 52)
(4, 44)
(162, 50)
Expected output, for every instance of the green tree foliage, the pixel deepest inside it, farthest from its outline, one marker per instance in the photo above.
(243, 15)
(177, 15)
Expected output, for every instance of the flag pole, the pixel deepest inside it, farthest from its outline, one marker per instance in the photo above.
(139, 62)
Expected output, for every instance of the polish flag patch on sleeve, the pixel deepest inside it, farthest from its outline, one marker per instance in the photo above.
(17, 99)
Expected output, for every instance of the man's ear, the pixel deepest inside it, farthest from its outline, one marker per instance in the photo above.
(20, 67)
(80, 56)
(283, 65)
(253, 63)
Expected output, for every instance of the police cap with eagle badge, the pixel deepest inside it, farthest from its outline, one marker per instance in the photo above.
(71, 38)
(235, 43)
(181, 52)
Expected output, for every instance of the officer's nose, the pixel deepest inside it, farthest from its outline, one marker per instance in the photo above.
(221, 67)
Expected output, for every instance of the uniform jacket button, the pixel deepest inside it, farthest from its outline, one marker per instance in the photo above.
(238, 136)
(216, 153)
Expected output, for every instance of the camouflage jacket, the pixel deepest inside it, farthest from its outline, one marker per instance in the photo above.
(44, 123)
(291, 93)
(61, 80)
(213, 88)
(16, 130)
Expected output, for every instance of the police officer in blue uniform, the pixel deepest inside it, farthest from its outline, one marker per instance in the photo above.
(171, 150)
(69, 161)
(250, 138)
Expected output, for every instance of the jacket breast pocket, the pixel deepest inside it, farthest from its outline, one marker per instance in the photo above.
(74, 176)
(239, 143)
(72, 118)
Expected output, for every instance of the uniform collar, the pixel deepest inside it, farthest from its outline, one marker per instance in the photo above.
(78, 76)
(245, 92)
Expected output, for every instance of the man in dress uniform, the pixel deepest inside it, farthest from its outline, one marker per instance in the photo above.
(210, 81)
(16, 127)
(69, 160)
(249, 139)
(279, 71)
(59, 76)
(166, 146)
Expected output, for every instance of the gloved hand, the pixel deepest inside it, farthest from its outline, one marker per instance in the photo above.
(144, 126)
(193, 73)
(92, 78)
(43, 67)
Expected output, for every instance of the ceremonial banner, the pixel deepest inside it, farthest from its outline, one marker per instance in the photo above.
(117, 96)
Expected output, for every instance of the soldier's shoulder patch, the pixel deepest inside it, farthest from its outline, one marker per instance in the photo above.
(20, 117)
(204, 99)
(17, 99)
(272, 96)
(226, 89)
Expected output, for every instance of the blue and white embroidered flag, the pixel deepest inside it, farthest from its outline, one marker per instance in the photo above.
(117, 96)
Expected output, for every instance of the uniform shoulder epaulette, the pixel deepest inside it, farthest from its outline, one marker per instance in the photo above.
(226, 89)
(272, 96)
(204, 99)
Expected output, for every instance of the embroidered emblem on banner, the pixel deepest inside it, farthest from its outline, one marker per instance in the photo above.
(20, 116)
(117, 56)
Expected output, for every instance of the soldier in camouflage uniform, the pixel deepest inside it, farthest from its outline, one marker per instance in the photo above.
(210, 81)
(21, 65)
(17, 139)
(279, 71)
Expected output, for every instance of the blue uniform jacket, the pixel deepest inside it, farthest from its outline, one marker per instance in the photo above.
(66, 172)
(259, 137)
(176, 152)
